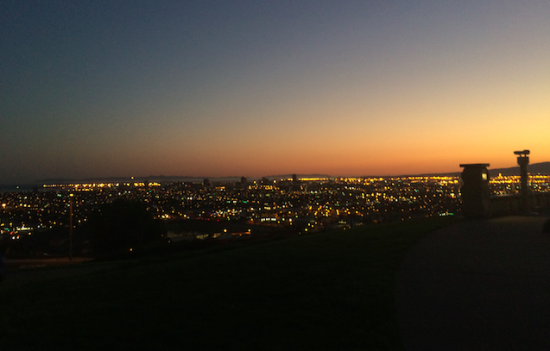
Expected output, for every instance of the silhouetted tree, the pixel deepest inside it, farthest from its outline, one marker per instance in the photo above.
(122, 225)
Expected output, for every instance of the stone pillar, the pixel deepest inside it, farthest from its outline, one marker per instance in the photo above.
(475, 190)
(523, 161)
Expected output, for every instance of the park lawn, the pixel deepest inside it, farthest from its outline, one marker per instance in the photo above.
(324, 291)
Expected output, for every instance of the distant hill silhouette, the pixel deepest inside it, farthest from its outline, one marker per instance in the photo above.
(152, 178)
(289, 176)
(163, 178)
(535, 168)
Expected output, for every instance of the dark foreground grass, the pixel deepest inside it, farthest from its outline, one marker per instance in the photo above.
(327, 291)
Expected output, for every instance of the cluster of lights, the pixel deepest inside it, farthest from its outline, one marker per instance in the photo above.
(77, 186)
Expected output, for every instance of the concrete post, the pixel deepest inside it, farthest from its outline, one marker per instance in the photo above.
(523, 161)
(475, 190)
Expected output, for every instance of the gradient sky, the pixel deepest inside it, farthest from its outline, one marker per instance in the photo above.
(256, 88)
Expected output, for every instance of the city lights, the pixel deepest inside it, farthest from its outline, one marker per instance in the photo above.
(284, 204)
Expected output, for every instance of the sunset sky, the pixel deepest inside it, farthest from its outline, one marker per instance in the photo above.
(256, 88)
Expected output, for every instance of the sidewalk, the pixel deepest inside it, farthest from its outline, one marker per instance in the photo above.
(42, 262)
(25, 270)
(478, 285)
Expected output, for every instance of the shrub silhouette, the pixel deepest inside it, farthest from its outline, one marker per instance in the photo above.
(123, 225)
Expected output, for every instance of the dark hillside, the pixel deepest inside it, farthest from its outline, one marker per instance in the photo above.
(324, 291)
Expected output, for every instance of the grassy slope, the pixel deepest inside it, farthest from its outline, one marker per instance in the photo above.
(328, 291)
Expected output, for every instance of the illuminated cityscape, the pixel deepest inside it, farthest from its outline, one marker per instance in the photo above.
(212, 210)
(287, 175)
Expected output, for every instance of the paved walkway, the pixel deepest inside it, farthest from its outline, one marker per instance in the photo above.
(22, 271)
(478, 285)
